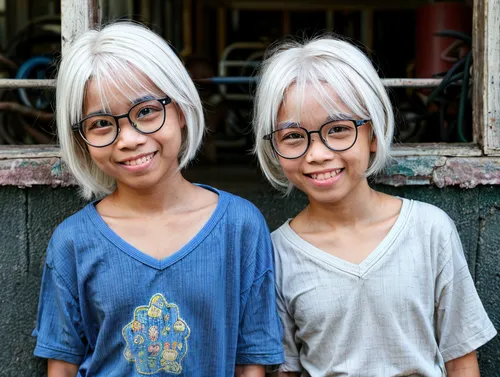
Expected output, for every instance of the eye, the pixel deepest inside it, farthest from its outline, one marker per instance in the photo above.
(293, 135)
(338, 129)
(100, 123)
(145, 112)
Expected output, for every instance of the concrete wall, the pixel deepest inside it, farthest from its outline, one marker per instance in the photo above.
(28, 216)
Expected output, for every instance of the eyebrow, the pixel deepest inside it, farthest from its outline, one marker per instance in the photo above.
(133, 103)
(330, 118)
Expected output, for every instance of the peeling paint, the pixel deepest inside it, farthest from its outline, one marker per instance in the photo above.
(465, 172)
(441, 171)
(468, 172)
(35, 171)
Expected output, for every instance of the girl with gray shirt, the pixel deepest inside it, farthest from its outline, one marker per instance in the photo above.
(368, 284)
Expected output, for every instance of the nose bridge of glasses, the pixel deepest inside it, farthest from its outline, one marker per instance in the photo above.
(128, 120)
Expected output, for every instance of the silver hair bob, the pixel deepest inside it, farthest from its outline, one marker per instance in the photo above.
(112, 57)
(325, 61)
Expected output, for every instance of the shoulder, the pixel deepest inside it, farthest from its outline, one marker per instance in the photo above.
(241, 211)
(429, 217)
(74, 224)
(431, 228)
(62, 242)
(280, 233)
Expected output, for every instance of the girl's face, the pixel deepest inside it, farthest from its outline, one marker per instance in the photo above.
(136, 160)
(324, 175)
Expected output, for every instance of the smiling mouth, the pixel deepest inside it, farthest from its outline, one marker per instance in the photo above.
(139, 161)
(326, 175)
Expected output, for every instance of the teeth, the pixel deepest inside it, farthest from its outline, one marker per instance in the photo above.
(327, 175)
(139, 161)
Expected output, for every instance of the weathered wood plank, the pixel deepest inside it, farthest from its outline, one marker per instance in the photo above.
(77, 16)
(492, 121)
(11, 152)
(26, 172)
(436, 149)
(441, 171)
(478, 70)
(486, 74)
(318, 4)
(25, 83)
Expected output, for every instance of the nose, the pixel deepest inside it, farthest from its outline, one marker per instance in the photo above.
(318, 151)
(129, 137)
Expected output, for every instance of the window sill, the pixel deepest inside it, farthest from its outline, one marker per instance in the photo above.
(440, 165)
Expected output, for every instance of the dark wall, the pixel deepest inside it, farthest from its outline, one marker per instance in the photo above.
(28, 216)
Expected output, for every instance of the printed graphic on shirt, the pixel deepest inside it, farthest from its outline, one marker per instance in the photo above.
(157, 337)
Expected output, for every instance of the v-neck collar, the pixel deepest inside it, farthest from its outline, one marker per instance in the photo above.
(358, 270)
(148, 260)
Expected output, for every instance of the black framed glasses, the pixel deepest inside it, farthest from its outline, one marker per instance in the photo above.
(293, 141)
(101, 130)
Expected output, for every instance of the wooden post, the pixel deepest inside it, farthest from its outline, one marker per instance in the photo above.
(187, 25)
(486, 75)
(329, 19)
(77, 16)
(367, 30)
(221, 31)
(200, 28)
(287, 22)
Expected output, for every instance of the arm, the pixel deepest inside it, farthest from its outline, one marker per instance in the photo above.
(465, 366)
(259, 330)
(57, 368)
(462, 325)
(249, 371)
(59, 332)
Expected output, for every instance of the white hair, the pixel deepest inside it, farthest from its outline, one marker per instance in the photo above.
(324, 62)
(113, 57)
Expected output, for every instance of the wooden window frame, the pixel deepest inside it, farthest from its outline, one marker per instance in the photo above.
(441, 164)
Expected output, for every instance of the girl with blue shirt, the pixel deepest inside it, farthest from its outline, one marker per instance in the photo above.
(367, 284)
(160, 276)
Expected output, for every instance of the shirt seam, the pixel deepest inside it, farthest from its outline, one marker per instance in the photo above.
(279, 353)
(349, 271)
(469, 340)
(50, 348)
(444, 265)
(63, 279)
(257, 279)
(109, 234)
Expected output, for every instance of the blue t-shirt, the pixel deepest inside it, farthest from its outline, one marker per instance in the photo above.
(116, 311)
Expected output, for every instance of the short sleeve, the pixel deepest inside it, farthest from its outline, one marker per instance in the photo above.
(59, 329)
(292, 357)
(462, 324)
(260, 333)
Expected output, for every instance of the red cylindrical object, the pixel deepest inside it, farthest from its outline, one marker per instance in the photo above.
(433, 18)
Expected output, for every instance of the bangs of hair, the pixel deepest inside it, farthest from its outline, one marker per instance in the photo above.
(109, 77)
(333, 93)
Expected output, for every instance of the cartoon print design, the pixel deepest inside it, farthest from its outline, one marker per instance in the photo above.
(156, 337)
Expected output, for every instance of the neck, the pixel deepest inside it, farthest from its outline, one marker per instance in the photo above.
(357, 207)
(160, 199)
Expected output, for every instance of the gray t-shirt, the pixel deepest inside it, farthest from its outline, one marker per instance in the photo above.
(409, 307)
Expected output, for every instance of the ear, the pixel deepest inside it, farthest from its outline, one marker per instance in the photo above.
(373, 144)
(181, 117)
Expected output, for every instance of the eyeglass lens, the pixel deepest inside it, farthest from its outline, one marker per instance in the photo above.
(293, 142)
(147, 117)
